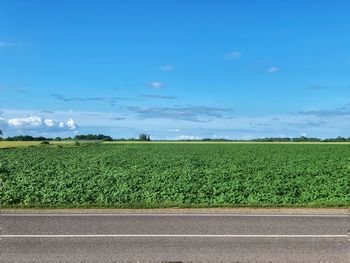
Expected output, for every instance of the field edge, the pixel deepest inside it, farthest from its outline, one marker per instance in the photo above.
(291, 211)
(314, 205)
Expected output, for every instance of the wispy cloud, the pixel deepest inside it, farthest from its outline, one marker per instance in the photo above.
(12, 89)
(189, 113)
(6, 44)
(117, 118)
(317, 87)
(343, 110)
(156, 85)
(233, 55)
(83, 99)
(152, 96)
(259, 124)
(307, 123)
(332, 87)
(167, 68)
(19, 90)
(272, 69)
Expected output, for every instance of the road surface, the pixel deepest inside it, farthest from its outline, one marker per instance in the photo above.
(228, 237)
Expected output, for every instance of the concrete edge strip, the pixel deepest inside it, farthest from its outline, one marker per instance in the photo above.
(184, 236)
(169, 215)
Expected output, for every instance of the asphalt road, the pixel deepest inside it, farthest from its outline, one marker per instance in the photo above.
(174, 237)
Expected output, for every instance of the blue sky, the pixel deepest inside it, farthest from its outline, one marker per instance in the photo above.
(175, 69)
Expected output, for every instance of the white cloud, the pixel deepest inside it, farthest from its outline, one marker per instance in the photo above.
(6, 44)
(272, 69)
(28, 122)
(174, 130)
(35, 123)
(167, 68)
(71, 124)
(2, 122)
(187, 137)
(156, 85)
(49, 122)
(233, 55)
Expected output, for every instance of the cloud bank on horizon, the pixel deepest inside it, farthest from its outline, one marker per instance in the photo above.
(36, 125)
(205, 74)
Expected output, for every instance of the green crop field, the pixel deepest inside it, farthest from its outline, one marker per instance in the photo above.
(175, 174)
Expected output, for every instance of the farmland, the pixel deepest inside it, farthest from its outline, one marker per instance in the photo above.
(15, 144)
(175, 174)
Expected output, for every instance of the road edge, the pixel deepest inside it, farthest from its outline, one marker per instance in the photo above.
(335, 211)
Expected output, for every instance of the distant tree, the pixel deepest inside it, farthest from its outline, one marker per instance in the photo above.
(144, 137)
(58, 139)
(338, 139)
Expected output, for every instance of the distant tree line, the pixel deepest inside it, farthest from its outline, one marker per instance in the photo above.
(93, 137)
(280, 139)
(89, 137)
(303, 139)
(147, 137)
(25, 138)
